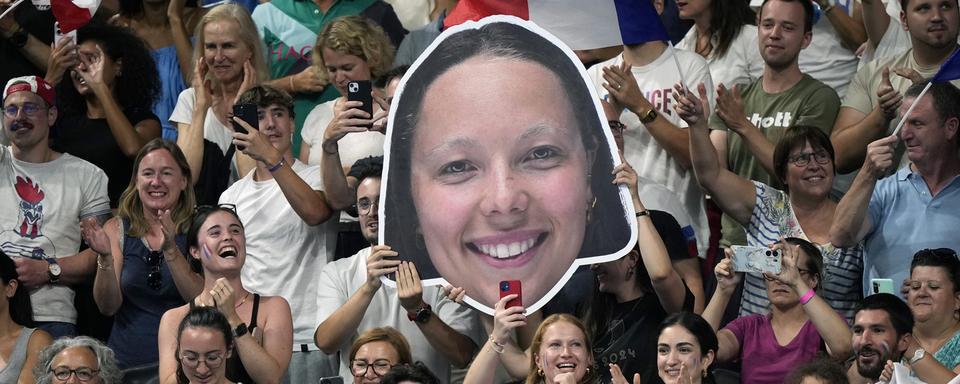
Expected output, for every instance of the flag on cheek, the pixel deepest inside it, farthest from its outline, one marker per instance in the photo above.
(579, 24)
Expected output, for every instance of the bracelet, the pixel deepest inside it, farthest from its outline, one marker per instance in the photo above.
(807, 297)
(643, 213)
(292, 87)
(277, 166)
(496, 345)
(100, 265)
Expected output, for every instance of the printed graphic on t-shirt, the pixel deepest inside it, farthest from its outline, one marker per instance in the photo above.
(779, 120)
(26, 239)
(660, 99)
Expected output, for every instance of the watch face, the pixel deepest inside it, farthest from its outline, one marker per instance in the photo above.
(423, 315)
(55, 269)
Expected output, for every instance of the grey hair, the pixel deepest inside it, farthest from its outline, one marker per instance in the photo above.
(106, 362)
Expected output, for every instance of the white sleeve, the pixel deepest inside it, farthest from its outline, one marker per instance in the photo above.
(183, 112)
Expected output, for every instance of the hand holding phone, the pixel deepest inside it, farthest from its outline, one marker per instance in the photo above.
(248, 113)
(509, 287)
(331, 380)
(58, 34)
(756, 259)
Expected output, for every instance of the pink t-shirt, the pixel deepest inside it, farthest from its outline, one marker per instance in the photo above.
(763, 359)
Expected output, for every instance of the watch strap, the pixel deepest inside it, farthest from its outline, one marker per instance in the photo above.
(917, 356)
(240, 330)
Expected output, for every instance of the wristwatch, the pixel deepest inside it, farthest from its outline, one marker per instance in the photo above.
(240, 330)
(421, 315)
(53, 270)
(648, 116)
(917, 356)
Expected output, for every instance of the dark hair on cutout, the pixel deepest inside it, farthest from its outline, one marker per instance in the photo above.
(137, 85)
(19, 305)
(416, 372)
(203, 317)
(814, 257)
(727, 18)
(899, 313)
(945, 96)
(945, 258)
(826, 370)
(700, 329)
(200, 217)
(506, 41)
(807, 12)
(795, 137)
(263, 96)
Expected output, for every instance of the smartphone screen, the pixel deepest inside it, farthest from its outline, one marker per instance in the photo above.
(509, 287)
(361, 91)
(246, 112)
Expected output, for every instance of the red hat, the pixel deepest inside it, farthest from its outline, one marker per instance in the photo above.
(35, 84)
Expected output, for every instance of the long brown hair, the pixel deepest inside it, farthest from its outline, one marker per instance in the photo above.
(131, 208)
(534, 377)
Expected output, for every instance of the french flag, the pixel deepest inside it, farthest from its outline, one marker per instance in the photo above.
(73, 14)
(578, 23)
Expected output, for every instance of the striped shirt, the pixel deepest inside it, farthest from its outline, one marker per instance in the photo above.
(772, 219)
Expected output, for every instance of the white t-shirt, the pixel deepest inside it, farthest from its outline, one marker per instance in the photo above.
(825, 59)
(213, 129)
(42, 205)
(354, 146)
(742, 64)
(342, 278)
(643, 152)
(284, 254)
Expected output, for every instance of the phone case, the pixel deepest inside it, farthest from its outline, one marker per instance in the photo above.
(361, 91)
(246, 112)
(755, 259)
(882, 285)
(509, 287)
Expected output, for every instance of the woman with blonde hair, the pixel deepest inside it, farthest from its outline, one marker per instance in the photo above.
(229, 59)
(351, 48)
(142, 270)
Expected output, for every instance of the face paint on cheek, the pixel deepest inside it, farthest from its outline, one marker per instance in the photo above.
(205, 252)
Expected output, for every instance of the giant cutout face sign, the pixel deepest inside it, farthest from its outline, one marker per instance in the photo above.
(499, 165)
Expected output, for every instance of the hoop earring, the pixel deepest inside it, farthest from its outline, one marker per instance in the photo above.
(590, 209)
(703, 373)
(539, 371)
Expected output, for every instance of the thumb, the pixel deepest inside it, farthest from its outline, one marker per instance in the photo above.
(885, 76)
(636, 378)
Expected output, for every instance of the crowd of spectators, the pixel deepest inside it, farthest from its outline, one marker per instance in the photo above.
(150, 235)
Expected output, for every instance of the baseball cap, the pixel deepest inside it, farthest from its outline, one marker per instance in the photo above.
(35, 84)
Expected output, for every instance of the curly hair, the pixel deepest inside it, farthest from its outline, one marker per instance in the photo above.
(137, 85)
(106, 362)
(357, 36)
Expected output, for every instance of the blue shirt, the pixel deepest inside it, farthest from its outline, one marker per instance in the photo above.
(906, 219)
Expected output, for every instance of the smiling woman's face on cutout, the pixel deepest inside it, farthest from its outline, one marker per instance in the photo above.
(499, 177)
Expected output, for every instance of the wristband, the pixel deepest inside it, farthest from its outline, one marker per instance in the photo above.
(292, 88)
(807, 297)
(100, 264)
(277, 166)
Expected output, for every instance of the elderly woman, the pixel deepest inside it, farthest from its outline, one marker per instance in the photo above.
(498, 148)
(78, 359)
(229, 59)
(105, 105)
(142, 270)
(933, 294)
(804, 163)
(16, 322)
(261, 324)
(375, 352)
(350, 48)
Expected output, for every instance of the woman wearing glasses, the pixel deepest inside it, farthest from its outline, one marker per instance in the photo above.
(142, 270)
(933, 294)
(803, 160)
(375, 352)
(77, 360)
(261, 325)
(204, 343)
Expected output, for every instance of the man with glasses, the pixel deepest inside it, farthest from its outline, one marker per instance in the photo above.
(44, 196)
(918, 206)
(286, 217)
(353, 298)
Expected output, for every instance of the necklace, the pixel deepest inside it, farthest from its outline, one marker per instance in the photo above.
(244, 300)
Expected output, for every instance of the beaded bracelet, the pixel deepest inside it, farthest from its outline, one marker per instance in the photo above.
(277, 166)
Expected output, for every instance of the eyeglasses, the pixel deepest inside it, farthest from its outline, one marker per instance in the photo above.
(380, 367)
(83, 374)
(154, 277)
(29, 109)
(213, 361)
(803, 158)
(364, 206)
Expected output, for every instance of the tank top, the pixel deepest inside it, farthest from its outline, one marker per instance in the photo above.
(11, 373)
(235, 370)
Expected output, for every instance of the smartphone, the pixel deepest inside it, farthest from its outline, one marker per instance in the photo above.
(246, 112)
(361, 91)
(509, 287)
(58, 34)
(755, 259)
(882, 286)
(331, 380)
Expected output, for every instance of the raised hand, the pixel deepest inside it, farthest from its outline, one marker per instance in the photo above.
(730, 109)
(789, 272)
(202, 87)
(455, 294)
(307, 81)
(690, 108)
(880, 156)
(505, 320)
(90, 70)
(888, 98)
(63, 56)
(168, 228)
(727, 278)
(623, 88)
(625, 174)
(380, 118)
(95, 236)
(347, 118)
(249, 79)
(618, 378)
(378, 265)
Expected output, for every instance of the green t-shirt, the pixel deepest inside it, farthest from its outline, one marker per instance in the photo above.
(289, 29)
(809, 102)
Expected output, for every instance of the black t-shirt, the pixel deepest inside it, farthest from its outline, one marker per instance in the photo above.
(37, 23)
(92, 140)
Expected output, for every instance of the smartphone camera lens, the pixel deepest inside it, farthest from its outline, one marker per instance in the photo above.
(504, 286)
